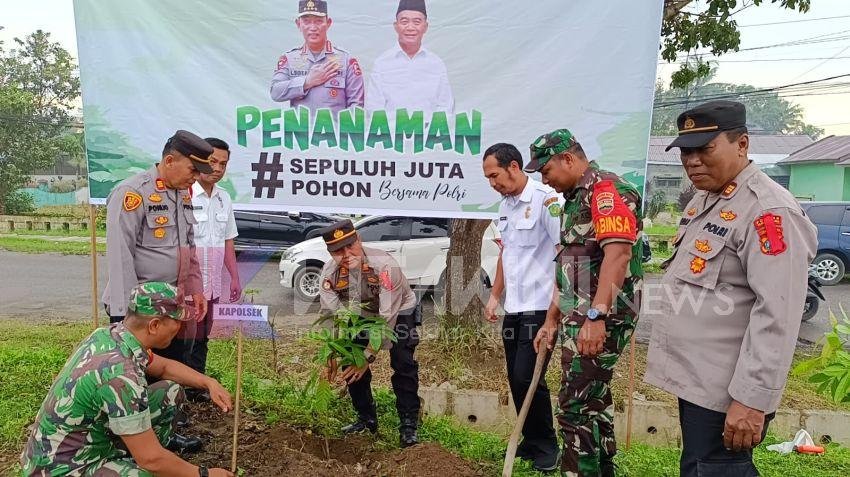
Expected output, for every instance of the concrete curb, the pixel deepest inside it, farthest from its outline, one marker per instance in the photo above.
(654, 423)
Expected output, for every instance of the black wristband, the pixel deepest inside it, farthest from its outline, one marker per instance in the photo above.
(203, 471)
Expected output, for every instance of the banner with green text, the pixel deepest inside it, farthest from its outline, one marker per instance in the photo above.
(364, 107)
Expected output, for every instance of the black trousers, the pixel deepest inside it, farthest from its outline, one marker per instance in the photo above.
(405, 378)
(703, 453)
(198, 341)
(518, 332)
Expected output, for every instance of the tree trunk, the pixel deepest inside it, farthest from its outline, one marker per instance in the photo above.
(463, 279)
(673, 7)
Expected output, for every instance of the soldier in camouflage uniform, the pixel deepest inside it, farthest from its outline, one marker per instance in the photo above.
(101, 418)
(597, 304)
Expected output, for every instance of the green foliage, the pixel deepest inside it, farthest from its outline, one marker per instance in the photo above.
(337, 341)
(766, 111)
(833, 364)
(708, 25)
(656, 204)
(19, 203)
(63, 186)
(38, 88)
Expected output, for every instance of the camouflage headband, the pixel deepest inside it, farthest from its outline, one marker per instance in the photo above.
(157, 299)
(548, 145)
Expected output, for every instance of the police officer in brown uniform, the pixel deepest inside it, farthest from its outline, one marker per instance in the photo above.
(725, 326)
(149, 219)
(371, 282)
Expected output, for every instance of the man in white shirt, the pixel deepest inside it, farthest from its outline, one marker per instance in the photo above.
(408, 75)
(214, 236)
(529, 223)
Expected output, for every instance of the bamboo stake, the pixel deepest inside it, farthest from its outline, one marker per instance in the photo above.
(92, 228)
(238, 393)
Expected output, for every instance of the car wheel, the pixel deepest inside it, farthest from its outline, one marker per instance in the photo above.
(810, 308)
(439, 293)
(308, 281)
(829, 267)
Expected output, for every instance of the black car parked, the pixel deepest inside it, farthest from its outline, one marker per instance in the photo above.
(277, 230)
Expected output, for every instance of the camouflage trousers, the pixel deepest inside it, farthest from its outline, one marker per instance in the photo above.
(163, 400)
(586, 412)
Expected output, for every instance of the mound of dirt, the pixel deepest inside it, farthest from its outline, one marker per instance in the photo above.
(283, 450)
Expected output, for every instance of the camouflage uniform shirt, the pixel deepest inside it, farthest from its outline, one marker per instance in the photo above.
(101, 393)
(602, 208)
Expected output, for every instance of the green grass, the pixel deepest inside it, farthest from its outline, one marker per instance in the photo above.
(58, 233)
(661, 230)
(34, 245)
(30, 356)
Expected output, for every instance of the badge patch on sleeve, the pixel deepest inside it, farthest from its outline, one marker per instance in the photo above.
(355, 66)
(386, 280)
(612, 218)
(281, 62)
(769, 228)
(132, 201)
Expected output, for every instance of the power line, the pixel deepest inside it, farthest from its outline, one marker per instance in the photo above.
(758, 60)
(794, 21)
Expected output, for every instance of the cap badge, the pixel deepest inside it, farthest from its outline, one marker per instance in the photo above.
(689, 123)
(338, 233)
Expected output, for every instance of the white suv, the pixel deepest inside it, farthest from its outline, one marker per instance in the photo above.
(419, 244)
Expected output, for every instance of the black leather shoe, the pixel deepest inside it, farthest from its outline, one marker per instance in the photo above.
(184, 444)
(547, 462)
(361, 426)
(407, 435)
(181, 418)
(198, 395)
(607, 468)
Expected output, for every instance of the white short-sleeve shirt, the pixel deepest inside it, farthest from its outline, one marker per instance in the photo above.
(530, 226)
(216, 224)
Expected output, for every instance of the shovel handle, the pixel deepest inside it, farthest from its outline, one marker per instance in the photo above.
(809, 449)
(513, 443)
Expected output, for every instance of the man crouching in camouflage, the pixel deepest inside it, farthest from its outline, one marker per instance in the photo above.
(100, 417)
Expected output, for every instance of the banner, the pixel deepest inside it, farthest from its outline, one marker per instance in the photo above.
(363, 110)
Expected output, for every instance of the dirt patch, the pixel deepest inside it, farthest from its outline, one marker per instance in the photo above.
(284, 450)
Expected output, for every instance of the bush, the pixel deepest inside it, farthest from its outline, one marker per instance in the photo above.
(19, 203)
(62, 187)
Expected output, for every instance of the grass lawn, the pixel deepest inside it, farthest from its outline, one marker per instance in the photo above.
(35, 245)
(30, 355)
(661, 230)
(58, 233)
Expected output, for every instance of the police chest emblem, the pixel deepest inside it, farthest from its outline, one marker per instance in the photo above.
(605, 202)
(333, 92)
(728, 215)
(155, 197)
(159, 232)
(326, 285)
(702, 246)
(187, 199)
(697, 265)
(132, 201)
(528, 212)
(161, 220)
(692, 212)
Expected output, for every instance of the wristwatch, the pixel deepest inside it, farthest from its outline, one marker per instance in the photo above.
(203, 471)
(371, 358)
(594, 314)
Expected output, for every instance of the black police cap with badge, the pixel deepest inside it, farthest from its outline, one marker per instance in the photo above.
(193, 147)
(698, 126)
(339, 235)
(318, 8)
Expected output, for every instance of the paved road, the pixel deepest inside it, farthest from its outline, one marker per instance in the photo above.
(51, 286)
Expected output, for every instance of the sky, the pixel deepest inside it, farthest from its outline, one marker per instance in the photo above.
(788, 64)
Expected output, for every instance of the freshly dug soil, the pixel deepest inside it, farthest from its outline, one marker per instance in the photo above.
(282, 450)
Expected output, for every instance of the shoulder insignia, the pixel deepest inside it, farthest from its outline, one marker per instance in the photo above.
(386, 280)
(155, 197)
(354, 65)
(549, 201)
(697, 265)
(730, 189)
(343, 271)
(769, 228)
(160, 185)
(728, 215)
(187, 199)
(132, 201)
